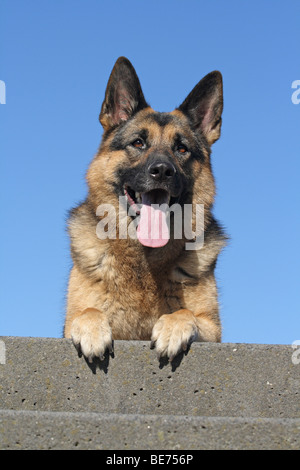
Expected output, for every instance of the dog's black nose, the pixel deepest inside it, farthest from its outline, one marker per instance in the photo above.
(162, 171)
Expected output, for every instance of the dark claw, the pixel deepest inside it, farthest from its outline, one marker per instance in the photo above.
(78, 349)
(152, 344)
(160, 356)
(111, 348)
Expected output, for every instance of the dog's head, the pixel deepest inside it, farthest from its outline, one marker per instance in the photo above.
(152, 157)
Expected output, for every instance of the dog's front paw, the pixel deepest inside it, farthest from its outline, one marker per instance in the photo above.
(91, 334)
(172, 333)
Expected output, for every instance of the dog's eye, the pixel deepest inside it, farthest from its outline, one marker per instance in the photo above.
(138, 143)
(181, 148)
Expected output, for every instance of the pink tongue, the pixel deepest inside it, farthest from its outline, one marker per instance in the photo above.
(153, 230)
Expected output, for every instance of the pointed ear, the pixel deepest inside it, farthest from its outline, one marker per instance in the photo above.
(204, 106)
(123, 96)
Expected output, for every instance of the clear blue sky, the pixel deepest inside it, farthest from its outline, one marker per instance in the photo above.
(55, 59)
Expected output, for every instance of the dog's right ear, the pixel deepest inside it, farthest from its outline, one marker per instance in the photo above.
(123, 96)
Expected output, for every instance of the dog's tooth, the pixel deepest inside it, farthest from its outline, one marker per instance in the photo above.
(138, 197)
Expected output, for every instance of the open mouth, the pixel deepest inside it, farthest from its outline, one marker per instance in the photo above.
(151, 206)
(155, 196)
(133, 197)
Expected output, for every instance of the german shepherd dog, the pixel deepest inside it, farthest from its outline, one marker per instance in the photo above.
(147, 287)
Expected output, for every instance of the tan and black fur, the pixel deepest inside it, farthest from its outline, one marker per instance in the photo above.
(118, 288)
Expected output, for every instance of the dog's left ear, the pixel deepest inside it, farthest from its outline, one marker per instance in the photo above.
(204, 106)
(123, 96)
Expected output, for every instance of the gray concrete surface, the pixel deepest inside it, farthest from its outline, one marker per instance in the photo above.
(61, 430)
(215, 396)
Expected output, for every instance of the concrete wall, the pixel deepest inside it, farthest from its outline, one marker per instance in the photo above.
(218, 396)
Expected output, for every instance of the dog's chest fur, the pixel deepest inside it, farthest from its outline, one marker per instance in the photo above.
(133, 289)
